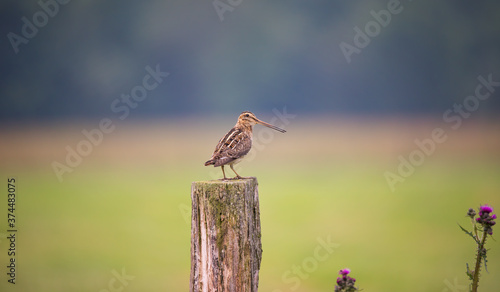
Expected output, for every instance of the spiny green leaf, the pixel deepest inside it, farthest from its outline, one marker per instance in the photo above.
(469, 272)
(469, 233)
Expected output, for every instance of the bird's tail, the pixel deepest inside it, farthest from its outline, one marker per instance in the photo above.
(210, 162)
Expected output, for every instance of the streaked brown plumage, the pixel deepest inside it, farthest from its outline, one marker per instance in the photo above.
(237, 142)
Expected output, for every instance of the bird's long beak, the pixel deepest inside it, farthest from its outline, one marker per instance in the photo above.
(270, 126)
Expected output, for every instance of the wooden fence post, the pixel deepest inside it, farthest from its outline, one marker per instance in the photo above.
(226, 249)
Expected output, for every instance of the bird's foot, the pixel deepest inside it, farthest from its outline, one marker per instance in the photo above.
(233, 178)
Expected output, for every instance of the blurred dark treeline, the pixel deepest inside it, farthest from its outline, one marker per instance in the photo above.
(260, 55)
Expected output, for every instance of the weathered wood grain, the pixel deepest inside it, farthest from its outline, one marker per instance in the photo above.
(226, 248)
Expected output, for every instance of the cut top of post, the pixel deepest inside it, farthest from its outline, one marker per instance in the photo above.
(244, 180)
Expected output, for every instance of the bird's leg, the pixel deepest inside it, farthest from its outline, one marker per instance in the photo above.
(223, 173)
(237, 175)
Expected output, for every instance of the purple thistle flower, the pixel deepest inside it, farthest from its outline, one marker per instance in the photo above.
(471, 213)
(486, 219)
(485, 209)
(345, 283)
(340, 280)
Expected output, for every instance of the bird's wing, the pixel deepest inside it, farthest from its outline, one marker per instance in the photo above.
(233, 145)
(224, 140)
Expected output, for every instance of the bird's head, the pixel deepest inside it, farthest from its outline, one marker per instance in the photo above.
(248, 119)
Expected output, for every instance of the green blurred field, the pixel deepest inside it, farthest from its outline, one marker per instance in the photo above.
(127, 206)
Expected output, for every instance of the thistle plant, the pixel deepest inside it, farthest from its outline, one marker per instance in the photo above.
(345, 283)
(481, 228)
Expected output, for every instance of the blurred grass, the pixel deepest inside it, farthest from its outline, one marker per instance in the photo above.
(127, 206)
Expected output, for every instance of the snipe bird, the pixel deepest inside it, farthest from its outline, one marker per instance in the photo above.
(237, 142)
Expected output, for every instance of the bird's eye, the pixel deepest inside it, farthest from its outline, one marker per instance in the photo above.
(247, 115)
